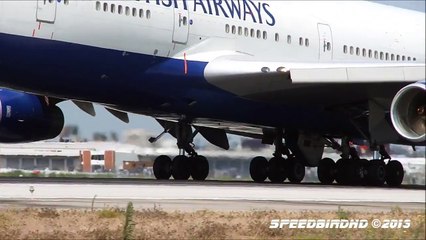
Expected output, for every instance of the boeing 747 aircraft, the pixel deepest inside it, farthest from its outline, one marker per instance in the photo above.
(302, 75)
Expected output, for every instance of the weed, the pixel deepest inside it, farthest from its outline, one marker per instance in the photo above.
(342, 214)
(396, 210)
(109, 213)
(48, 213)
(93, 202)
(129, 224)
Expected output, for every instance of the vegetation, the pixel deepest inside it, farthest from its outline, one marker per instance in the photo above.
(155, 223)
(129, 224)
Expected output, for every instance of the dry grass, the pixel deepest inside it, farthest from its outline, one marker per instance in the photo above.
(158, 224)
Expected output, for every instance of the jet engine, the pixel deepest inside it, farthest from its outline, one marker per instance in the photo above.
(408, 112)
(26, 118)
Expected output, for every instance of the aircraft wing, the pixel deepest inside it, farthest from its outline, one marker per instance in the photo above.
(280, 81)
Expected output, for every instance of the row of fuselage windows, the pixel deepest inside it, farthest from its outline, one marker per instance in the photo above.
(238, 30)
(375, 54)
(123, 10)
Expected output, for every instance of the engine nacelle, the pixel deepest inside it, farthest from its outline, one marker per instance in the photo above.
(408, 112)
(26, 118)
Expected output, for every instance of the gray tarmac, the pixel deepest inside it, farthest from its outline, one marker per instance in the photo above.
(216, 196)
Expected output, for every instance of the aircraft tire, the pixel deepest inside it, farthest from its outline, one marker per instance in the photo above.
(162, 167)
(181, 168)
(326, 171)
(295, 170)
(342, 172)
(199, 168)
(376, 173)
(394, 173)
(363, 171)
(259, 169)
(276, 170)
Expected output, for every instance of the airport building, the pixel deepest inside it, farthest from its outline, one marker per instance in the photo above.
(89, 157)
(112, 157)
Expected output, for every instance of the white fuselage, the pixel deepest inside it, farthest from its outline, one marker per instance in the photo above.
(297, 31)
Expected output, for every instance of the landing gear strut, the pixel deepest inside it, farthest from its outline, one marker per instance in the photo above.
(280, 167)
(182, 167)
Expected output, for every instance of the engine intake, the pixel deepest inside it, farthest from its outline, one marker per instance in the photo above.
(27, 118)
(408, 112)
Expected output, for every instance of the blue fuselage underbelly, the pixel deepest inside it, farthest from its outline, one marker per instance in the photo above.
(142, 84)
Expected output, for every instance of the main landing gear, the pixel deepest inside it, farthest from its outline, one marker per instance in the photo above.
(351, 170)
(182, 167)
(282, 166)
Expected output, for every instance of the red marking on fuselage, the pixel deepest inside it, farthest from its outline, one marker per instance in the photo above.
(39, 25)
(33, 32)
(185, 64)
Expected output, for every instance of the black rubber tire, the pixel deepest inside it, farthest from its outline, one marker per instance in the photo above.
(276, 170)
(259, 169)
(199, 168)
(342, 166)
(394, 173)
(326, 171)
(295, 170)
(363, 165)
(376, 173)
(181, 168)
(162, 167)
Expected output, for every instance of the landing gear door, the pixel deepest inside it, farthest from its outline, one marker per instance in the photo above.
(181, 26)
(325, 43)
(46, 11)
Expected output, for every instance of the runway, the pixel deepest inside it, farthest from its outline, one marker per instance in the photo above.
(192, 196)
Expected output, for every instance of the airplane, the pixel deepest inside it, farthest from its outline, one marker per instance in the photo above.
(301, 75)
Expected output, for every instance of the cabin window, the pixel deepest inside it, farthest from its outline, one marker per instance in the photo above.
(148, 14)
(141, 13)
(258, 34)
(364, 52)
(408, 58)
(289, 39)
(351, 50)
(370, 53)
(98, 6)
(184, 21)
(252, 33)
(234, 29)
(307, 42)
(358, 51)
(381, 56)
(392, 57)
(240, 31)
(301, 41)
(277, 37)
(376, 55)
(387, 56)
(414, 59)
(127, 11)
(265, 35)
(113, 8)
(328, 46)
(398, 57)
(134, 12)
(120, 9)
(227, 28)
(105, 7)
(66, 2)
(403, 58)
(246, 32)
(345, 49)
